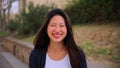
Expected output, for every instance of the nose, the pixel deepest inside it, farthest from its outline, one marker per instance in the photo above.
(57, 29)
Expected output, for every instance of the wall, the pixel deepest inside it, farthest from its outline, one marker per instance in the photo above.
(18, 48)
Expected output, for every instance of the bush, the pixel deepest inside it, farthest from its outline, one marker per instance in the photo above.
(83, 11)
(32, 20)
(13, 25)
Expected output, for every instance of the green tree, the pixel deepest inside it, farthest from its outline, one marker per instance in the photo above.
(32, 20)
(83, 11)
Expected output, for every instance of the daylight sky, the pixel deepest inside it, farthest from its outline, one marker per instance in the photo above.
(14, 8)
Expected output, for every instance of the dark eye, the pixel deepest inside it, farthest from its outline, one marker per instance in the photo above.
(62, 25)
(52, 24)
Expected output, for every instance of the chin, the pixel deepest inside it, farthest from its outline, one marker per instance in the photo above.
(57, 41)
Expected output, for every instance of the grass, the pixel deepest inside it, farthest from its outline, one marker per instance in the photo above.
(3, 34)
(88, 47)
(29, 39)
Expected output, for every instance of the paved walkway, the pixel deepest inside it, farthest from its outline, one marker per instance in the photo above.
(92, 64)
(4, 63)
(13, 62)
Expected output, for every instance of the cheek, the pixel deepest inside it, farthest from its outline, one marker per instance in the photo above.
(65, 30)
(49, 30)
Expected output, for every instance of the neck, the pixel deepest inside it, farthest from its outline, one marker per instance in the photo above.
(56, 46)
(56, 51)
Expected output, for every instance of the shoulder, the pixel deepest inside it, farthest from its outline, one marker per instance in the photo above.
(83, 58)
(38, 53)
(34, 54)
(37, 58)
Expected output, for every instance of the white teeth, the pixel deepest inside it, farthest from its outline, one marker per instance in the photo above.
(56, 35)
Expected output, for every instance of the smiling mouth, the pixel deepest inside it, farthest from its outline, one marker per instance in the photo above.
(57, 35)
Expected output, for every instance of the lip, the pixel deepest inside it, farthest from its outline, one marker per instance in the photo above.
(57, 36)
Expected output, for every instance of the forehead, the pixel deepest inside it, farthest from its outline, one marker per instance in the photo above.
(57, 19)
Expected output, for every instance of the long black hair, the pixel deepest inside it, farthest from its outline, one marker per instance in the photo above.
(42, 40)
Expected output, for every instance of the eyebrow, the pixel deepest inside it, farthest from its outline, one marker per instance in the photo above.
(62, 23)
(55, 23)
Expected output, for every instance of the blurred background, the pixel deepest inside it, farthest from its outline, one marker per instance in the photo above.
(96, 26)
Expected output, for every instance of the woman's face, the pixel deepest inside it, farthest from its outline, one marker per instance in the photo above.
(56, 29)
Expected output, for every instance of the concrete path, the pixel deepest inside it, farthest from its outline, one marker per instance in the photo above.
(92, 64)
(4, 63)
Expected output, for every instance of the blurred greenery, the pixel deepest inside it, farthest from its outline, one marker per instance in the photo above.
(88, 47)
(32, 20)
(3, 34)
(29, 39)
(84, 11)
(13, 25)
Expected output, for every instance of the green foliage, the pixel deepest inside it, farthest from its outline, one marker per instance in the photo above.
(2, 34)
(32, 20)
(88, 47)
(13, 25)
(104, 51)
(82, 11)
(29, 39)
(115, 53)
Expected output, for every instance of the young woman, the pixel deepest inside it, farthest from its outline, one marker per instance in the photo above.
(54, 44)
